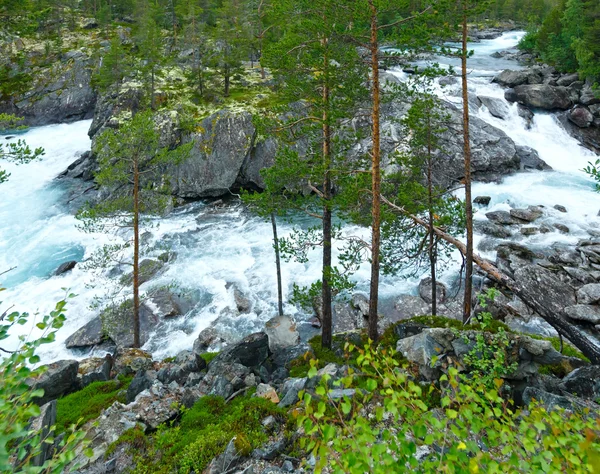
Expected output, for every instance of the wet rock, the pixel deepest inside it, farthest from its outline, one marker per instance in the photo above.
(60, 378)
(529, 231)
(148, 269)
(583, 382)
(493, 230)
(509, 78)
(563, 229)
(530, 159)
(497, 107)
(251, 351)
(482, 200)
(584, 312)
(426, 290)
(207, 338)
(503, 218)
(171, 303)
(282, 333)
(242, 302)
(526, 114)
(560, 208)
(530, 214)
(581, 116)
(89, 335)
(540, 96)
(65, 267)
(589, 294)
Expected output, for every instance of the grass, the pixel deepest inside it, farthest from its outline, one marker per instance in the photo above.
(202, 434)
(209, 356)
(80, 407)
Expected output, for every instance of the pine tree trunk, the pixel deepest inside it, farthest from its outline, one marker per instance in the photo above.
(152, 100)
(277, 264)
(227, 83)
(467, 152)
(432, 240)
(376, 179)
(136, 254)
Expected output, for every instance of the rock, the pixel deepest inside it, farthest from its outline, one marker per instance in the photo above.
(270, 450)
(589, 96)
(282, 333)
(41, 425)
(426, 290)
(190, 361)
(143, 380)
(482, 200)
(98, 372)
(227, 461)
(409, 306)
(550, 401)
(567, 79)
(251, 351)
(290, 390)
(508, 78)
(589, 294)
(581, 116)
(60, 378)
(528, 231)
(583, 382)
(560, 208)
(525, 114)
(129, 361)
(530, 159)
(89, 335)
(148, 269)
(584, 312)
(89, 23)
(171, 304)
(206, 339)
(493, 230)
(503, 218)
(540, 96)
(497, 107)
(360, 303)
(528, 215)
(117, 323)
(563, 229)
(555, 294)
(267, 392)
(65, 267)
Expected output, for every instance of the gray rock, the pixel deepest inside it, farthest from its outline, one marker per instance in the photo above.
(589, 96)
(290, 391)
(60, 378)
(555, 294)
(426, 290)
(567, 79)
(143, 380)
(560, 208)
(101, 373)
(251, 351)
(525, 114)
(283, 357)
(583, 382)
(409, 306)
(584, 312)
(117, 323)
(530, 159)
(528, 231)
(581, 116)
(482, 200)
(227, 461)
(563, 229)
(530, 214)
(361, 303)
(493, 230)
(589, 294)
(89, 335)
(510, 78)
(148, 269)
(65, 267)
(282, 333)
(41, 425)
(540, 96)
(270, 450)
(171, 303)
(551, 401)
(497, 107)
(503, 218)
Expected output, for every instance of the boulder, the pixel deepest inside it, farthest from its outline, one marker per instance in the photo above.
(548, 288)
(282, 333)
(171, 303)
(584, 312)
(95, 370)
(65, 267)
(290, 390)
(409, 306)
(117, 322)
(60, 378)
(89, 335)
(503, 218)
(360, 303)
(482, 200)
(426, 290)
(227, 461)
(589, 294)
(567, 79)
(560, 208)
(532, 213)
(143, 380)
(526, 115)
(267, 392)
(149, 268)
(589, 96)
(551, 401)
(583, 382)
(530, 159)
(41, 426)
(128, 361)
(497, 107)
(581, 116)
(509, 78)
(251, 351)
(540, 96)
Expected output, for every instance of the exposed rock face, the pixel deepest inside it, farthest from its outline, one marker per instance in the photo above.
(540, 96)
(584, 312)
(59, 379)
(583, 382)
(60, 93)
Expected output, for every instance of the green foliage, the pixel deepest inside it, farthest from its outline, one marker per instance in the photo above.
(593, 169)
(19, 443)
(87, 404)
(392, 424)
(113, 68)
(202, 434)
(16, 152)
(209, 356)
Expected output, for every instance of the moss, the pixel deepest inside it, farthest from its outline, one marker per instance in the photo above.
(209, 356)
(567, 349)
(204, 432)
(87, 404)
(135, 438)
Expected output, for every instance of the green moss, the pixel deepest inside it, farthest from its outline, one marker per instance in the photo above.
(135, 438)
(209, 356)
(567, 350)
(204, 432)
(88, 403)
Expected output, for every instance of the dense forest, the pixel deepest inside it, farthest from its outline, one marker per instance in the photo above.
(332, 120)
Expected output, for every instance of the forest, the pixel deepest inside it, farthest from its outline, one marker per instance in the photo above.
(353, 144)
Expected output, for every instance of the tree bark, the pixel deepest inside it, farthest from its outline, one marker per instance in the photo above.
(535, 301)
(375, 179)
(277, 264)
(136, 253)
(467, 158)
(432, 239)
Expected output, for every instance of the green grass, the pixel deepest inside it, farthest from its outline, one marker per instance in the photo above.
(209, 356)
(87, 404)
(202, 433)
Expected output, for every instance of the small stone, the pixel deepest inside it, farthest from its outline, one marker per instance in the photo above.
(563, 229)
(530, 231)
(560, 208)
(482, 200)
(267, 392)
(65, 267)
(287, 466)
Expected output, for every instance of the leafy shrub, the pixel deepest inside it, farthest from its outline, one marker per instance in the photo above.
(389, 426)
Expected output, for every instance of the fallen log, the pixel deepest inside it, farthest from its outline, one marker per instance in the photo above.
(535, 301)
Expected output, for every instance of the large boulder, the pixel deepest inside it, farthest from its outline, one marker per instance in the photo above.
(117, 322)
(282, 333)
(584, 312)
(89, 335)
(497, 107)
(251, 351)
(547, 287)
(426, 290)
(509, 78)
(530, 159)
(542, 96)
(583, 382)
(60, 378)
(581, 116)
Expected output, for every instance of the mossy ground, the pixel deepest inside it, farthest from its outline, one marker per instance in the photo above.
(202, 433)
(87, 404)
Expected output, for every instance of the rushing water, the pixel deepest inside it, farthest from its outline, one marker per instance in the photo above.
(215, 247)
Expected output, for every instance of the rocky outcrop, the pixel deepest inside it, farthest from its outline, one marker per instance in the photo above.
(542, 96)
(59, 378)
(60, 93)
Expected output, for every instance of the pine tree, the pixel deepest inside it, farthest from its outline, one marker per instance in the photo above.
(150, 46)
(114, 66)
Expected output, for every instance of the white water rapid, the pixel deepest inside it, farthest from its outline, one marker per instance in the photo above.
(213, 248)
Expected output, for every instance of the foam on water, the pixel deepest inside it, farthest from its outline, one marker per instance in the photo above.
(216, 247)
